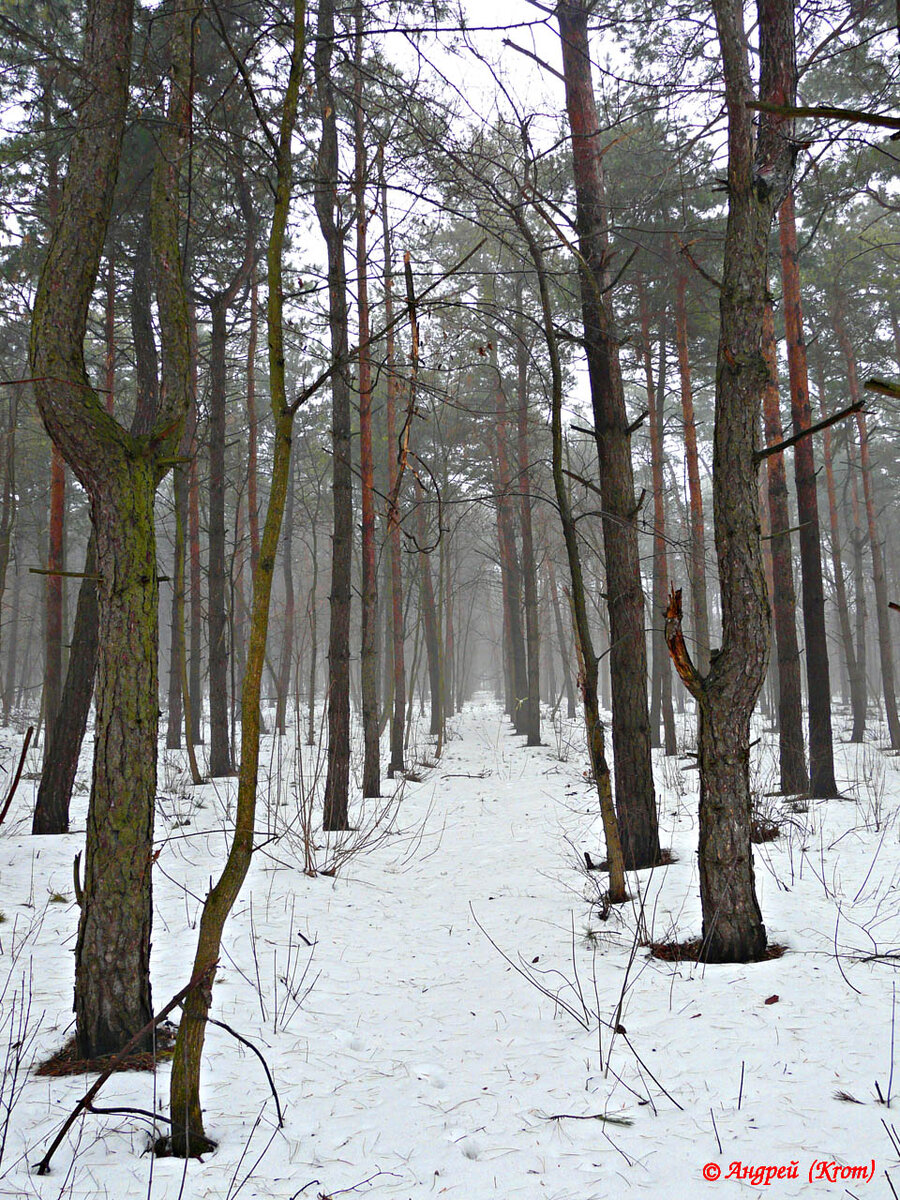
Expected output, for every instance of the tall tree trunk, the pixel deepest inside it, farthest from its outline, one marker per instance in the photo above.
(287, 645)
(587, 658)
(312, 617)
(882, 613)
(371, 781)
(53, 631)
(759, 176)
(635, 796)
(195, 685)
(509, 565)
(8, 517)
(337, 780)
(699, 606)
(428, 608)
(252, 432)
(661, 680)
(529, 568)
(855, 669)
(9, 679)
(217, 617)
(396, 452)
(792, 757)
(562, 642)
(818, 680)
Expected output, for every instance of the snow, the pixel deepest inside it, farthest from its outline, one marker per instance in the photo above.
(430, 1013)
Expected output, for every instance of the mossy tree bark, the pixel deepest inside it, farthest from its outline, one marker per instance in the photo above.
(187, 1132)
(120, 472)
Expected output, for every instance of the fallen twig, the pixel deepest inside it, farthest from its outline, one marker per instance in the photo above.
(43, 1167)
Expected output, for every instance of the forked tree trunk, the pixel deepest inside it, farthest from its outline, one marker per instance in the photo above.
(760, 168)
(635, 795)
(791, 754)
(112, 986)
(818, 680)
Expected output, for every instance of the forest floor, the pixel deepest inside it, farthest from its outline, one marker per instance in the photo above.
(439, 1015)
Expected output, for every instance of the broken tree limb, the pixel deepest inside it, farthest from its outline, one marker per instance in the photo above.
(687, 672)
(884, 387)
(43, 1167)
(778, 447)
(854, 116)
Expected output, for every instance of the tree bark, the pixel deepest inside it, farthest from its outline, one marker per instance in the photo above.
(635, 796)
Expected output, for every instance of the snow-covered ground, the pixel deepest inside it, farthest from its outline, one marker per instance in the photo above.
(430, 1014)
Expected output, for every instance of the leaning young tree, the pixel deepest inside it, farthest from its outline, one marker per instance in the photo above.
(120, 472)
(187, 1132)
(760, 167)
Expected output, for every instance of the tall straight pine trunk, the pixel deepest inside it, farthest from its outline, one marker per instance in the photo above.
(635, 796)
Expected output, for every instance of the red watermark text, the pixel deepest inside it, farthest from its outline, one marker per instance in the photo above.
(764, 1174)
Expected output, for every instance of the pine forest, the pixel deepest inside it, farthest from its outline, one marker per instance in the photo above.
(449, 599)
